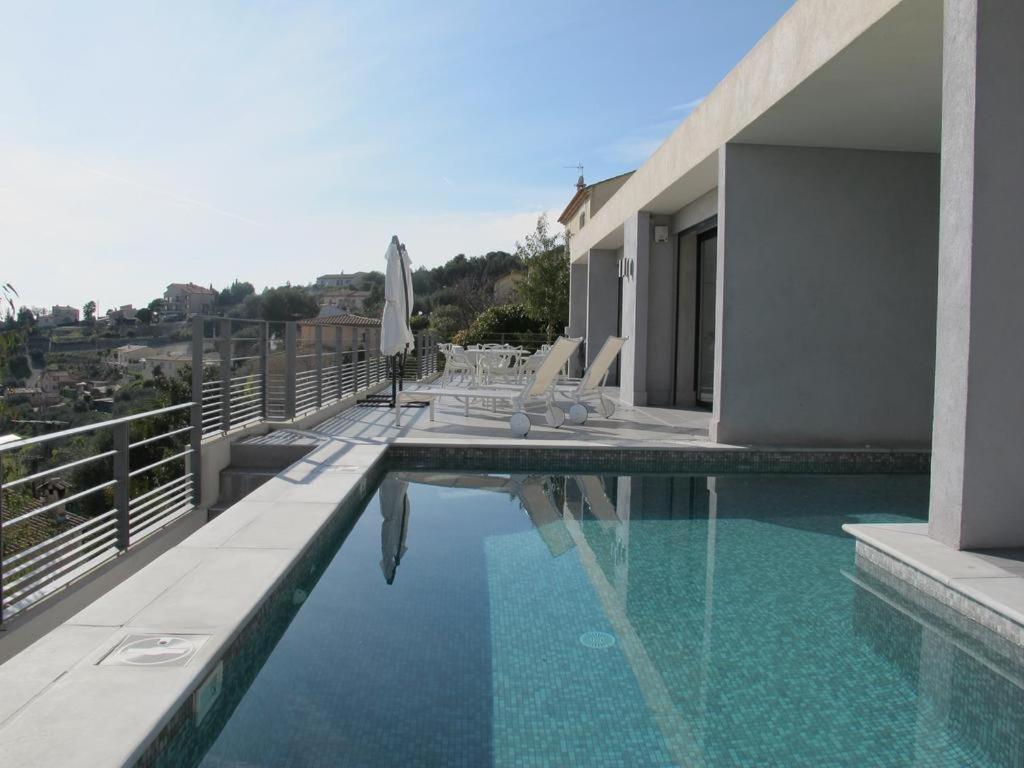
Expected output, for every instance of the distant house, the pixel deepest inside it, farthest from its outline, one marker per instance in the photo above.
(506, 288)
(64, 315)
(346, 301)
(123, 314)
(189, 299)
(130, 356)
(51, 380)
(58, 315)
(342, 280)
(344, 329)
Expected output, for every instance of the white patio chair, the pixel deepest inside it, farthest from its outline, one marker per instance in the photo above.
(538, 389)
(455, 361)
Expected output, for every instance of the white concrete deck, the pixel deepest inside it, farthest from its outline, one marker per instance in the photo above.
(629, 426)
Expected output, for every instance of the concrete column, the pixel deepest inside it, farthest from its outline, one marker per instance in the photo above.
(636, 256)
(602, 300)
(577, 309)
(977, 478)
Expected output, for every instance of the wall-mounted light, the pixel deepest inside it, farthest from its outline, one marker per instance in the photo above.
(661, 233)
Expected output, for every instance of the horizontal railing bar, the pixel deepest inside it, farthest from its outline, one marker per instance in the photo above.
(160, 487)
(177, 491)
(155, 464)
(35, 586)
(55, 470)
(12, 446)
(166, 489)
(245, 408)
(245, 357)
(242, 399)
(43, 544)
(171, 500)
(237, 380)
(54, 504)
(165, 435)
(151, 519)
(49, 555)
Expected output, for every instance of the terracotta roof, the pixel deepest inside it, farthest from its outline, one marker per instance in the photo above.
(358, 320)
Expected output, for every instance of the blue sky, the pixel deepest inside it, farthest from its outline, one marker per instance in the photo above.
(144, 143)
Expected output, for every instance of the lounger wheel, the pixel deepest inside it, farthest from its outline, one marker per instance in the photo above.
(554, 416)
(519, 424)
(578, 414)
(606, 407)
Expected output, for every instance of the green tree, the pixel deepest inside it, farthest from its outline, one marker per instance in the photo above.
(145, 315)
(89, 312)
(447, 319)
(158, 305)
(11, 336)
(283, 303)
(545, 289)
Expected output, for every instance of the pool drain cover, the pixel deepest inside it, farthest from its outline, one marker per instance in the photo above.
(597, 639)
(155, 651)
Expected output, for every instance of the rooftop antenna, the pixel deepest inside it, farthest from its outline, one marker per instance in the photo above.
(580, 184)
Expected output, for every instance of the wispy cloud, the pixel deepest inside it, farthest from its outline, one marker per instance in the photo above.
(686, 106)
(165, 193)
(447, 181)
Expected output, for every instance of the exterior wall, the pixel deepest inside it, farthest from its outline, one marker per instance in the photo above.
(977, 487)
(603, 191)
(602, 300)
(701, 209)
(636, 255)
(577, 309)
(661, 313)
(826, 296)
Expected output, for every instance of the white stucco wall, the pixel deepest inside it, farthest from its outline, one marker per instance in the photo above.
(826, 301)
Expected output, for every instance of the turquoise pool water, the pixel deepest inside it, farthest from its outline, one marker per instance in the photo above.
(474, 620)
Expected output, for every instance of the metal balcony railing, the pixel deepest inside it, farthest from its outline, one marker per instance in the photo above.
(143, 479)
(73, 500)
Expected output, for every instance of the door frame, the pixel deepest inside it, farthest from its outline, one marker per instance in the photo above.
(703, 230)
(698, 306)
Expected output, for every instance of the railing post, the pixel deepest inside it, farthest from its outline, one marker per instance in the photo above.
(224, 347)
(354, 360)
(338, 358)
(197, 409)
(264, 372)
(289, 369)
(121, 493)
(318, 350)
(1, 539)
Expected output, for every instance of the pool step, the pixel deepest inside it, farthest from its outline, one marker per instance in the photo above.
(255, 460)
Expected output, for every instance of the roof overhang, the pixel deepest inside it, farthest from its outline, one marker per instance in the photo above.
(864, 75)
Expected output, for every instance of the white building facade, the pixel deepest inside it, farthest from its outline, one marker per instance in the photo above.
(827, 250)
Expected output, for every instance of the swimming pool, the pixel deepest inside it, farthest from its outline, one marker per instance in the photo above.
(518, 620)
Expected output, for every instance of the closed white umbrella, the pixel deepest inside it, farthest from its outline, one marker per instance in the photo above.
(394, 508)
(395, 335)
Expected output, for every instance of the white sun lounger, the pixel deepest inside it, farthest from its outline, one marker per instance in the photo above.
(539, 389)
(589, 388)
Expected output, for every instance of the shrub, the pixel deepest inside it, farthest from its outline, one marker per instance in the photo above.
(500, 319)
